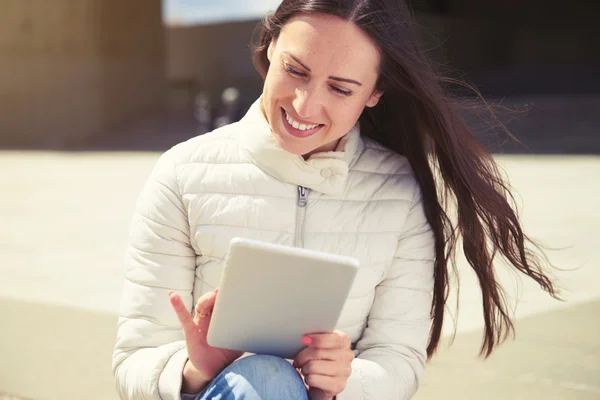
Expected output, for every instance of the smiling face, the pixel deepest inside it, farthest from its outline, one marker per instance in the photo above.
(322, 74)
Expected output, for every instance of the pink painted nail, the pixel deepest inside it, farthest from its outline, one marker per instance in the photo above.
(307, 340)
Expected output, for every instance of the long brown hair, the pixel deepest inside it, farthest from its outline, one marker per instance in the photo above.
(418, 117)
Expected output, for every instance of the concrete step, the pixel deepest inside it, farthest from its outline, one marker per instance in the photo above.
(52, 352)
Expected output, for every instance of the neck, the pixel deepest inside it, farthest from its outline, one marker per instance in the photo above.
(331, 146)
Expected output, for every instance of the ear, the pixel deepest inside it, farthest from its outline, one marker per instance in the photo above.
(374, 99)
(271, 50)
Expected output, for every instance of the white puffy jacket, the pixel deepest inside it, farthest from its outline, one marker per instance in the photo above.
(362, 201)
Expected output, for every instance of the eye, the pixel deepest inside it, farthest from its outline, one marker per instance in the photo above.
(341, 91)
(292, 71)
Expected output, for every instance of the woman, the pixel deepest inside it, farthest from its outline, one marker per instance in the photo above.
(341, 154)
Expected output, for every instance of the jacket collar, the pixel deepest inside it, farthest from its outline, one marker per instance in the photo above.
(324, 172)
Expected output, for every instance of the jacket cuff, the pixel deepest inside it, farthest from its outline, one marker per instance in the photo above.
(171, 378)
(354, 387)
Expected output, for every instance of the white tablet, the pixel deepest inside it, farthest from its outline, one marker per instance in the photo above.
(271, 295)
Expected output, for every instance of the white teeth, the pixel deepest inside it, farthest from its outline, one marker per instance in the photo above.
(297, 125)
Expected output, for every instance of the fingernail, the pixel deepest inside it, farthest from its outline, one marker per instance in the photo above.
(216, 290)
(307, 340)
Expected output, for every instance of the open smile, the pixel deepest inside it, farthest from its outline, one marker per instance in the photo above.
(297, 129)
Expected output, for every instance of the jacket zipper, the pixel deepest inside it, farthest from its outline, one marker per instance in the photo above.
(300, 214)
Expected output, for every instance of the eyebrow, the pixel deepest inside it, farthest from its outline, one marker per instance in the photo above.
(335, 78)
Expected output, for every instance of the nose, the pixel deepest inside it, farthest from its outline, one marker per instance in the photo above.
(307, 103)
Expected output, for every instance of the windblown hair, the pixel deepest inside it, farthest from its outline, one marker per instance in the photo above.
(417, 116)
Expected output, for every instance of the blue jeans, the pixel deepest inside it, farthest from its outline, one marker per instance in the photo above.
(256, 377)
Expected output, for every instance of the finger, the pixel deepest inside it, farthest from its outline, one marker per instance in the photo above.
(205, 304)
(204, 308)
(330, 385)
(334, 340)
(313, 353)
(302, 376)
(318, 394)
(322, 367)
(183, 314)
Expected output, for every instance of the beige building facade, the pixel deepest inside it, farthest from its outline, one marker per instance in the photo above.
(73, 68)
(72, 71)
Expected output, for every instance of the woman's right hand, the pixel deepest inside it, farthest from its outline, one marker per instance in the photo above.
(204, 362)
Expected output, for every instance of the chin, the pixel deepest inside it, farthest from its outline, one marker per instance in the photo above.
(290, 146)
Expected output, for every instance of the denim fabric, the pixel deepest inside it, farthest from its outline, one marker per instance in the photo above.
(256, 377)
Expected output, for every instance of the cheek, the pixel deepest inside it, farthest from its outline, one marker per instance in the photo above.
(278, 84)
(346, 116)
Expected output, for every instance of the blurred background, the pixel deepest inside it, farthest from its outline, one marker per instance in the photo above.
(92, 91)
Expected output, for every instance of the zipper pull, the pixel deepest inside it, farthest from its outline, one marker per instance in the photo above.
(302, 196)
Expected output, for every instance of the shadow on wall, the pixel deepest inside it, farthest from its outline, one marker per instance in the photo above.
(557, 102)
(543, 125)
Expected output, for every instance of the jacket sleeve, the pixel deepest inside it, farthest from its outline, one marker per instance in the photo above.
(393, 349)
(150, 352)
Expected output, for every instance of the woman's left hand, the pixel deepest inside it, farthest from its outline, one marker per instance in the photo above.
(326, 364)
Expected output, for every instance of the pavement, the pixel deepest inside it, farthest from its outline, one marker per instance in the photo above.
(64, 218)
(555, 356)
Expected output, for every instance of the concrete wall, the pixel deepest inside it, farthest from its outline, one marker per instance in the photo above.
(520, 46)
(73, 68)
(211, 58)
(506, 48)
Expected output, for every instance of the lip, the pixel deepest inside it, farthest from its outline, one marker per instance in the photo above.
(297, 132)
